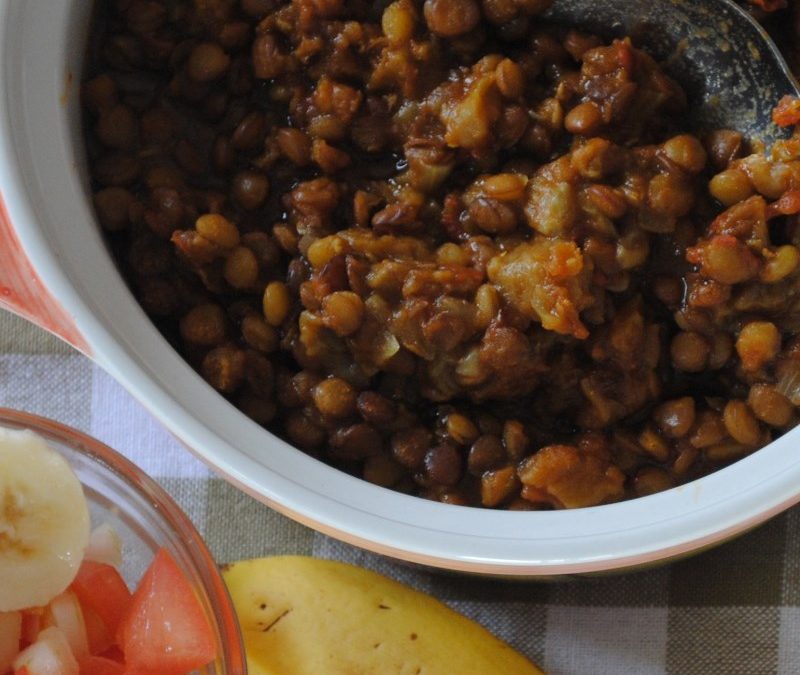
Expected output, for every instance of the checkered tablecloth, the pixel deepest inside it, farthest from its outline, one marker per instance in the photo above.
(733, 610)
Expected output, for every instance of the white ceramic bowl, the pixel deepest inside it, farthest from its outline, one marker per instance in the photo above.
(73, 288)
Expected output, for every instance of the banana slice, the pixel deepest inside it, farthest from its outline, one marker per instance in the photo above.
(44, 521)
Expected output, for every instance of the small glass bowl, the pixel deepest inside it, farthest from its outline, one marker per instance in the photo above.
(147, 519)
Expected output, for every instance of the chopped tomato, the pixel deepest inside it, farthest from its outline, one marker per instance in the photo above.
(165, 631)
(113, 654)
(10, 635)
(625, 55)
(22, 671)
(99, 636)
(787, 112)
(97, 665)
(787, 205)
(100, 588)
(769, 5)
(31, 625)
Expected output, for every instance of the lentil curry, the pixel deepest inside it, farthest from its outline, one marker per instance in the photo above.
(446, 246)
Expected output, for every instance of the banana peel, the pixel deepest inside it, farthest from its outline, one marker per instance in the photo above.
(305, 616)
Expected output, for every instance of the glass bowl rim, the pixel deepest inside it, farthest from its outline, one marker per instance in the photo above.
(174, 517)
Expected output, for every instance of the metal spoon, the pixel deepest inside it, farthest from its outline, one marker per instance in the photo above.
(730, 68)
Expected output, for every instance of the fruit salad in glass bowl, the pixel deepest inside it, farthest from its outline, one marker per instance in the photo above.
(102, 573)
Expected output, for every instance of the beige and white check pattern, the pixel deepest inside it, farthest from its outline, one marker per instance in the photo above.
(733, 610)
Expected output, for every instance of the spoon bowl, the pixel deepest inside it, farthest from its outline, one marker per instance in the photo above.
(730, 68)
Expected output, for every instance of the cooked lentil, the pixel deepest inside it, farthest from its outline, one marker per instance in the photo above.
(447, 246)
